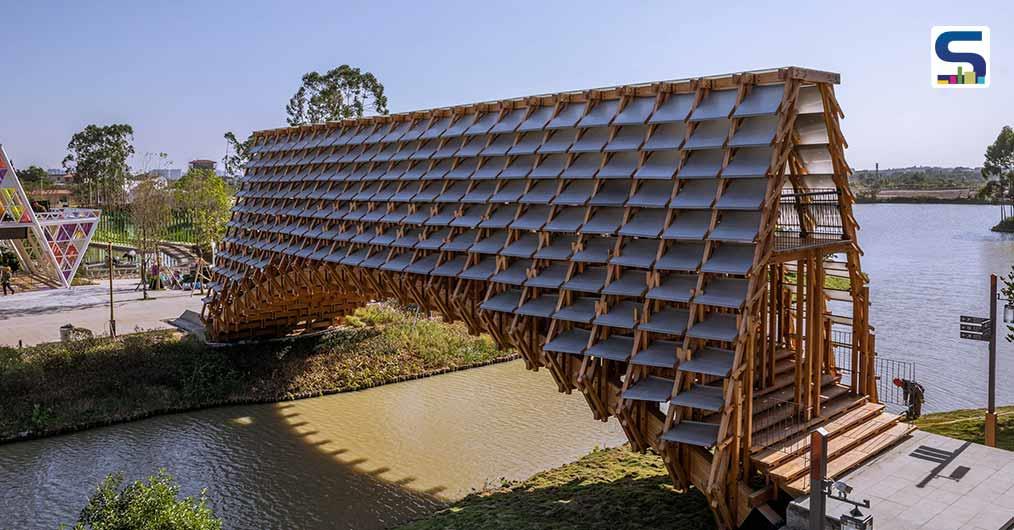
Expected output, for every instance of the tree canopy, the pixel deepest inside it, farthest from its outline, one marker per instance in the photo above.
(999, 165)
(145, 505)
(98, 156)
(340, 93)
(235, 161)
(33, 174)
(209, 200)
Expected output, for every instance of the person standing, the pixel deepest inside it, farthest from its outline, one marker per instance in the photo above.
(6, 274)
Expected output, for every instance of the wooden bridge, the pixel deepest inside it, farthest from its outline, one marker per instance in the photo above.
(682, 253)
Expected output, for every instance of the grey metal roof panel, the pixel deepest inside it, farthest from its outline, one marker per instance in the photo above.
(532, 218)
(542, 192)
(582, 310)
(459, 126)
(676, 107)
(518, 168)
(748, 162)
(426, 149)
(396, 131)
(600, 114)
(470, 217)
(509, 192)
(568, 116)
(696, 194)
(660, 354)
(611, 193)
(527, 144)
(701, 397)
(490, 168)
(674, 287)
(760, 101)
(619, 165)
(703, 164)
(651, 194)
(638, 253)
(515, 274)
(622, 315)
(636, 111)
(451, 267)
(566, 219)
(524, 247)
(575, 193)
(492, 243)
(817, 160)
(715, 326)
(596, 250)
(499, 145)
(442, 217)
(436, 128)
(573, 341)
(630, 283)
(500, 217)
(809, 101)
(505, 302)
(739, 227)
(693, 433)
(667, 136)
(483, 124)
(710, 361)
(434, 240)
(723, 292)
(424, 264)
(481, 271)
(651, 388)
(615, 348)
(549, 167)
(460, 242)
(730, 259)
(689, 224)
(543, 306)
(509, 121)
(708, 135)
(549, 277)
(603, 221)
(755, 132)
(449, 147)
(743, 194)
(537, 119)
(480, 192)
(670, 321)
(647, 222)
(454, 192)
(627, 138)
(398, 262)
(591, 140)
(463, 170)
(811, 130)
(472, 146)
(659, 165)
(408, 240)
(558, 142)
(681, 257)
(717, 104)
(591, 280)
(560, 247)
(583, 166)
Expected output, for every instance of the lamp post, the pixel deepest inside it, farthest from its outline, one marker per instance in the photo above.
(984, 329)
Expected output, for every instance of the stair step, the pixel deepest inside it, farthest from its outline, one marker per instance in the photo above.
(693, 433)
(710, 361)
(848, 461)
(838, 445)
(778, 427)
(701, 397)
(652, 388)
(778, 453)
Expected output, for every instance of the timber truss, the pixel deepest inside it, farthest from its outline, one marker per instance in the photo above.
(660, 248)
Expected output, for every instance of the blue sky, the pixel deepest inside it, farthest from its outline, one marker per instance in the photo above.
(182, 73)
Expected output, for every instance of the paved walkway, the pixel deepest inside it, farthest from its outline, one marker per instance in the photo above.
(932, 482)
(36, 317)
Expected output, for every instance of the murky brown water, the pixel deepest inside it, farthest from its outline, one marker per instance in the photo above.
(367, 459)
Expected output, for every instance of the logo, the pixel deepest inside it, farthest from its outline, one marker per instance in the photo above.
(959, 56)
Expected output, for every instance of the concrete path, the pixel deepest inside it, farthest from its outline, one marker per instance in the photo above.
(36, 316)
(931, 482)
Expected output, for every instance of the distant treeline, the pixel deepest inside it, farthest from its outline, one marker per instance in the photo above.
(919, 178)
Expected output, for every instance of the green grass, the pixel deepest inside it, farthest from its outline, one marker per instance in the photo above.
(608, 489)
(830, 282)
(64, 386)
(969, 425)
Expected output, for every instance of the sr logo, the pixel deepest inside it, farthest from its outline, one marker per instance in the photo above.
(959, 56)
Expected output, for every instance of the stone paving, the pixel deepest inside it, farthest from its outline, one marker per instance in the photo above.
(36, 316)
(931, 482)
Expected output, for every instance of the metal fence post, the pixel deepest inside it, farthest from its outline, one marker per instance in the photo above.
(818, 472)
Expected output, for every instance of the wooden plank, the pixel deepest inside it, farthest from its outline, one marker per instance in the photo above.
(852, 437)
(775, 454)
(855, 457)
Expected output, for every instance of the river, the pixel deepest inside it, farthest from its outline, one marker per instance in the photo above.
(375, 458)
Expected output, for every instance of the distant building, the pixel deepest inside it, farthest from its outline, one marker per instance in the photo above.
(60, 176)
(202, 164)
(170, 175)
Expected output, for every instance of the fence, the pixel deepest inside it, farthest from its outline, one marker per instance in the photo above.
(887, 370)
(116, 226)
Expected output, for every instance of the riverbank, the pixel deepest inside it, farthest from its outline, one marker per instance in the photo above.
(969, 425)
(56, 388)
(606, 489)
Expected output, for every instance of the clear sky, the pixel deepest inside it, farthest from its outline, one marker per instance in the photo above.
(182, 73)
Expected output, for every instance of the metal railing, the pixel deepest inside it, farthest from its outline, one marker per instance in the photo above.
(887, 370)
(809, 218)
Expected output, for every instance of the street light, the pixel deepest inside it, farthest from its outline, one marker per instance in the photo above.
(1008, 312)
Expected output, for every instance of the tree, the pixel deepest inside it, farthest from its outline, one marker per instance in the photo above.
(208, 199)
(98, 156)
(235, 161)
(33, 174)
(150, 211)
(150, 505)
(999, 164)
(340, 93)
(1007, 291)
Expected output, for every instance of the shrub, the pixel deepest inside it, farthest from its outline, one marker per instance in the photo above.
(150, 505)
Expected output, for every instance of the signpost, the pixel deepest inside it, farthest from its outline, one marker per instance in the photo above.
(981, 328)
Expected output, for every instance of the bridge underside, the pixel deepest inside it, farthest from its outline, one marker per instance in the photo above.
(717, 309)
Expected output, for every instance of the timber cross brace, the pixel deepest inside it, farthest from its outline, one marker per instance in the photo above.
(661, 248)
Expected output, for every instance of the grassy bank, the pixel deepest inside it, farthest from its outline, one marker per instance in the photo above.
(969, 425)
(58, 387)
(608, 489)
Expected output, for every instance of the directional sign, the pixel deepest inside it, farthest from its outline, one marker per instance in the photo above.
(974, 320)
(974, 336)
(978, 328)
